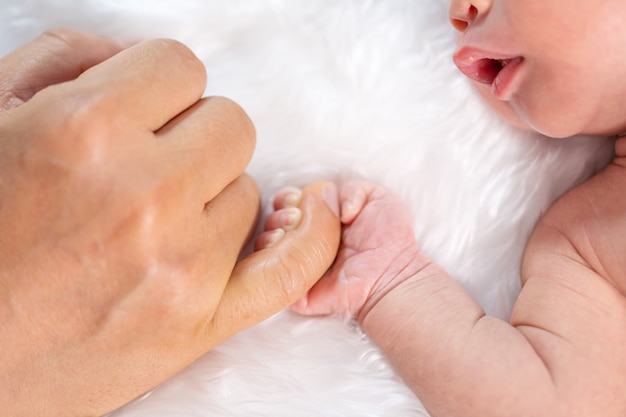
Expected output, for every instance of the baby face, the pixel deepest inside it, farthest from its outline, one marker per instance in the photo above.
(559, 64)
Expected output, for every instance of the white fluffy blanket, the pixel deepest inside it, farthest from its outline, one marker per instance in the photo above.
(341, 89)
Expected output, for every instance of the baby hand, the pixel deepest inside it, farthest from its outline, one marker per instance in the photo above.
(378, 251)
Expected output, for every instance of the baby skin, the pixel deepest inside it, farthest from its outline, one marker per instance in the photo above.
(562, 352)
(558, 70)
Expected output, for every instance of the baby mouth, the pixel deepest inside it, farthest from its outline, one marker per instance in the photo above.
(483, 66)
(483, 70)
(500, 72)
(490, 68)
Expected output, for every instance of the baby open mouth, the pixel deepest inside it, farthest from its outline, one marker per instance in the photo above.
(486, 70)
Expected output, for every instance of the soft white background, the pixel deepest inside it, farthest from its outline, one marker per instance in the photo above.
(342, 89)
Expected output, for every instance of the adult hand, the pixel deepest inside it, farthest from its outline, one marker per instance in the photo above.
(123, 210)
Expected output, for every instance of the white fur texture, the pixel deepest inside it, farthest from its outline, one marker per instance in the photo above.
(343, 89)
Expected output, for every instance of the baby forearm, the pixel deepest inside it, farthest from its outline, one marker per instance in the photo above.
(566, 329)
(457, 360)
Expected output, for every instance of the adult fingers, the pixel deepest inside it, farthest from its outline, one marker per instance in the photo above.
(148, 84)
(207, 146)
(226, 226)
(267, 281)
(56, 56)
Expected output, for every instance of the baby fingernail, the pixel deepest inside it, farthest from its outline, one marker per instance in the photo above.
(274, 237)
(292, 199)
(330, 195)
(290, 218)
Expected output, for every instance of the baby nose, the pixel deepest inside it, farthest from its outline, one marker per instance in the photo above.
(463, 12)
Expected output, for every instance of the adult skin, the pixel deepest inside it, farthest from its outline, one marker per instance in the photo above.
(124, 207)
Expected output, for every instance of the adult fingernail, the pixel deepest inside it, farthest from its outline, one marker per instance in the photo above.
(331, 197)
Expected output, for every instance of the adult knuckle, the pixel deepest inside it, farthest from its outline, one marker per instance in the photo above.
(81, 129)
(172, 295)
(249, 191)
(237, 122)
(60, 37)
(74, 141)
(165, 293)
(182, 54)
(243, 123)
(60, 43)
(143, 216)
(95, 108)
(252, 192)
(147, 219)
(171, 282)
(165, 269)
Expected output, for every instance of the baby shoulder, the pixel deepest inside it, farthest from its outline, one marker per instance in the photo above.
(572, 307)
(586, 229)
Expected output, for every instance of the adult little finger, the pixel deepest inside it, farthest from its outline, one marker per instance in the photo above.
(271, 279)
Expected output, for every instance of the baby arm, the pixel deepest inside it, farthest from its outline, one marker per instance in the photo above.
(564, 333)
